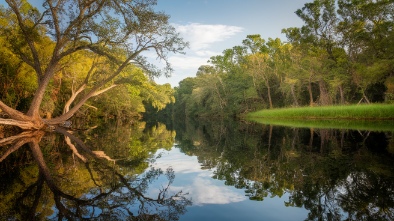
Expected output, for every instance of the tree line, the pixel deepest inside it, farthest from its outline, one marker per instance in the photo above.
(342, 54)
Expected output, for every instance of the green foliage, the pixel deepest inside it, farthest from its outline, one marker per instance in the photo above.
(18, 81)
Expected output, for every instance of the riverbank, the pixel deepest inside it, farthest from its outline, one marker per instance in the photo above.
(371, 117)
(351, 112)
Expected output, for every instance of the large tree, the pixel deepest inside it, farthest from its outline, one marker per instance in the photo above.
(114, 32)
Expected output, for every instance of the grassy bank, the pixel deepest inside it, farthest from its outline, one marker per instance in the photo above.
(373, 117)
(355, 112)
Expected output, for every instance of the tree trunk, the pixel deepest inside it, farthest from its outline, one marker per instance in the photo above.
(324, 96)
(342, 95)
(364, 97)
(310, 94)
(268, 93)
(34, 110)
(294, 96)
(312, 132)
(270, 137)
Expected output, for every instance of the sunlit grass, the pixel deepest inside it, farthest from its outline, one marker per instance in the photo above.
(370, 111)
(373, 117)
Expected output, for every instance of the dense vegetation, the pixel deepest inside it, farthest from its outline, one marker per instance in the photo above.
(56, 59)
(343, 54)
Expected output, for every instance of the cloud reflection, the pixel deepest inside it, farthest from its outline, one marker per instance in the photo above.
(190, 178)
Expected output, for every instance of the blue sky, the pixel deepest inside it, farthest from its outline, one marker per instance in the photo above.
(212, 26)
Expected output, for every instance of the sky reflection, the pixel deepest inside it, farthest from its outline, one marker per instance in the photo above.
(213, 200)
(198, 183)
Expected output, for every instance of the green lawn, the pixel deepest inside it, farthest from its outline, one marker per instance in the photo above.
(365, 111)
(373, 117)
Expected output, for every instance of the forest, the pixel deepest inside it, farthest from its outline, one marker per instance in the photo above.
(92, 63)
(343, 54)
(86, 62)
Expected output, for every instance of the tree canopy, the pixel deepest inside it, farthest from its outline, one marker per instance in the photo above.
(82, 48)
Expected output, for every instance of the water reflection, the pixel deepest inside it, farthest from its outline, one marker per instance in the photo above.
(61, 176)
(105, 172)
(334, 174)
(196, 181)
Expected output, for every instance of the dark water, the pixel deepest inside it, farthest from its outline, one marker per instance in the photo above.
(197, 171)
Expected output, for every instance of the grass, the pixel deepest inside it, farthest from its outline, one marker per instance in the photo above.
(366, 111)
(375, 117)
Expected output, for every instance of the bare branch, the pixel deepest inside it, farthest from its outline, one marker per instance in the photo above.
(103, 90)
(74, 149)
(72, 98)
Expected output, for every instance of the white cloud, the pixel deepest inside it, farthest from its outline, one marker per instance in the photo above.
(187, 62)
(177, 161)
(206, 53)
(202, 36)
(203, 39)
(204, 191)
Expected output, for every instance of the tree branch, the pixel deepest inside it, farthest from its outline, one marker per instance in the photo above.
(19, 140)
(74, 149)
(26, 125)
(27, 36)
(72, 98)
(12, 149)
(14, 114)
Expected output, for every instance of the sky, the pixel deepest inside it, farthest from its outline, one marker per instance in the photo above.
(211, 26)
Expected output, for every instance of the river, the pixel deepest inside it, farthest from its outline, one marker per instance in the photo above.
(214, 170)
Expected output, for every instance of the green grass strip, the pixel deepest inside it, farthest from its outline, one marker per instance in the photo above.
(374, 117)
(366, 111)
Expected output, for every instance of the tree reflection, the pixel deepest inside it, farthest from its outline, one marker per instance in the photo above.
(89, 186)
(335, 174)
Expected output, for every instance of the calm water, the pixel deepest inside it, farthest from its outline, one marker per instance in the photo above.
(197, 171)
